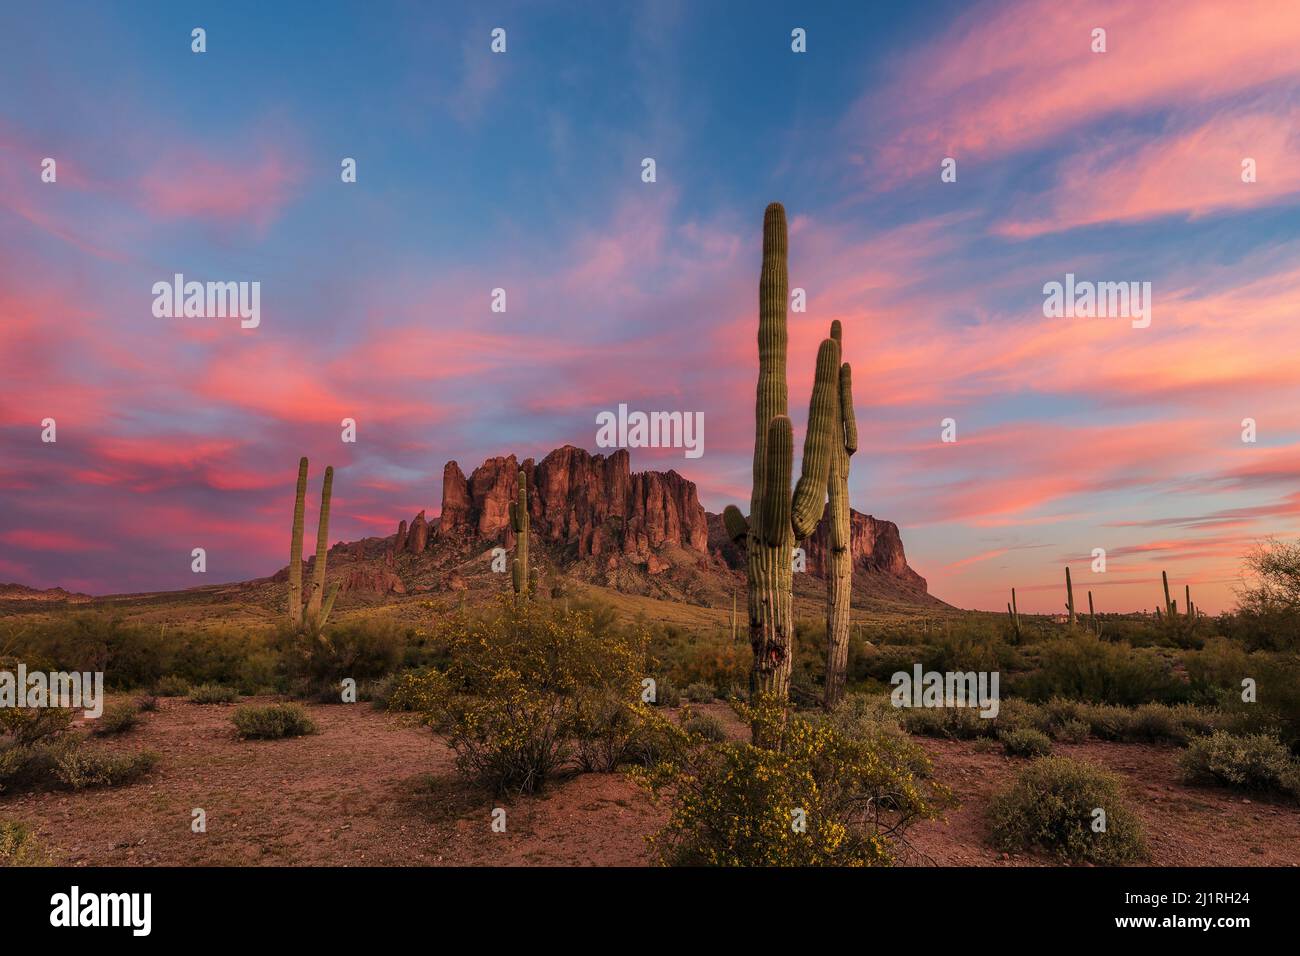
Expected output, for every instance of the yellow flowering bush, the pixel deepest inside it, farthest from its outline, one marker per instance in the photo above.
(817, 797)
(532, 689)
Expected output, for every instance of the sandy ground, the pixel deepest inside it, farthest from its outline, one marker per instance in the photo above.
(369, 790)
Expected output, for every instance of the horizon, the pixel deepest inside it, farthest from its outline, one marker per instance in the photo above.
(522, 171)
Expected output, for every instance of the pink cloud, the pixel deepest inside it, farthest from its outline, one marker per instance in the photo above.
(192, 183)
(35, 539)
(1008, 77)
(1195, 172)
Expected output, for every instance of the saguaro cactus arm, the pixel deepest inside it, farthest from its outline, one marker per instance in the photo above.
(849, 419)
(810, 493)
(735, 523)
(329, 604)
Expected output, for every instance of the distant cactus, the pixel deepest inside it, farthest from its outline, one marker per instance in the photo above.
(295, 548)
(1069, 596)
(776, 517)
(519, 522)
(839, 573)
(1014, 612)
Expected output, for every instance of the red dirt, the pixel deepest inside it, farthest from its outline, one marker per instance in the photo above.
(369, 790)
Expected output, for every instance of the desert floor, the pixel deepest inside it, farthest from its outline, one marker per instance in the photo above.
(369, 790)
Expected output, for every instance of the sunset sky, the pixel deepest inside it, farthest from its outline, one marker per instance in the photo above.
(522, 170)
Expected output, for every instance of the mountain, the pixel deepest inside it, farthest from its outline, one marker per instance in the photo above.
(21, 592)
(595, 520)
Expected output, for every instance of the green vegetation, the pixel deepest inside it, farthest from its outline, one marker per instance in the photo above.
(19, 847)
(813, 795)
(1256, 762)
(213, 694)
(1026, 742)
(273, 721)
(531, 690)
(117, 719)
(38, 751)
(1070, 809)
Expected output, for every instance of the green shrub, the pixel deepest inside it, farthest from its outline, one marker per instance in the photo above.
(734, 803)
(213, 694)
(701, 693)
(518, 687)
(1015, 713)
(377, 691)
(272, 721)
(712, 659)
(359, 649)
(1051, 806)
(64, 762)
(18, 847)
(1153, 722)
(117, 719)
(667, 694)
(1082, 667)
(956, 723)
(1025, 742)
(1256, 762)
(146, 703)
(610, 732)
(873, 721)
(705, 726)
(1072, 731)
(172, 686)
(29, 725)
(83, 767)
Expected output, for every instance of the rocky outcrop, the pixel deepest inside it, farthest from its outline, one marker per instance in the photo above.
(418, 536)
(371, 579)
(455, 517)
(588, 504)
(875, 544)
(583, 506)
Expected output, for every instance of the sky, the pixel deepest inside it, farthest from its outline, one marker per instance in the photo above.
(523, 170)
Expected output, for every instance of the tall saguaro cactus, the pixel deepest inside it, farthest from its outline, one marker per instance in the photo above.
(519, 522)
(776, 517)
(314, 615)
(295, 548)
(839, 576)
